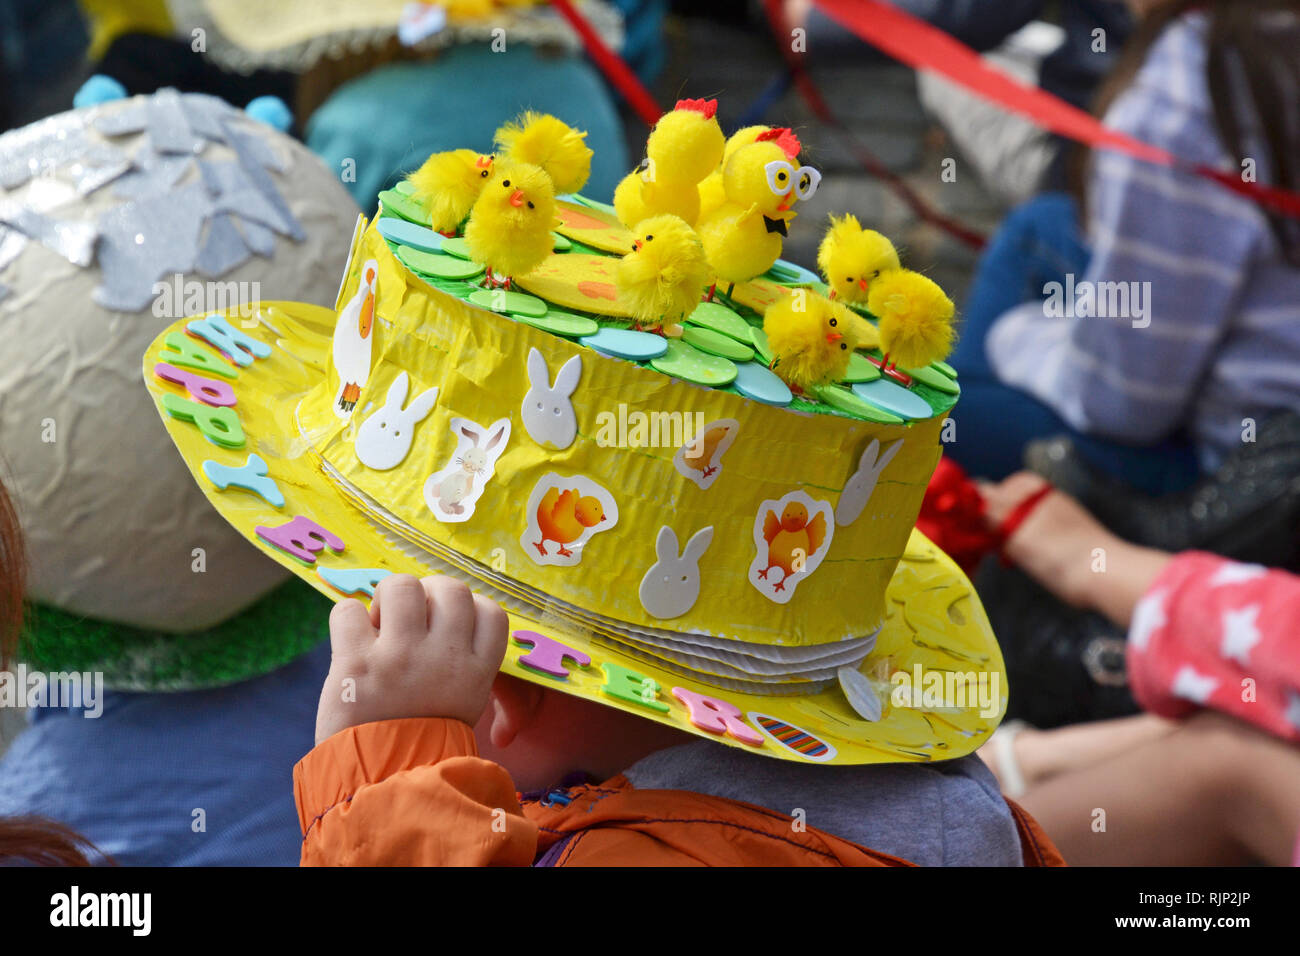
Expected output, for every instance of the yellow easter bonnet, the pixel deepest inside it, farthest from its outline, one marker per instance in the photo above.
(673, 532)
(244, 35)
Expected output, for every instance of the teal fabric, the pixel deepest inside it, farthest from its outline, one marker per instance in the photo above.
(389, 120)
(643, 43)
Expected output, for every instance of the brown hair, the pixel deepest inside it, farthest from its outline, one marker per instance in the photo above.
(1252, 72)
(41, 842)
(26, 839)
(13, 575)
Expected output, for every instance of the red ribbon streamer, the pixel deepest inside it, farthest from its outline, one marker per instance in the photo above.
(866, 159)
(921, 46)
(617, 71)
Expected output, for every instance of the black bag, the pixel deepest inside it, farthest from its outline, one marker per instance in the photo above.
(1067, 666)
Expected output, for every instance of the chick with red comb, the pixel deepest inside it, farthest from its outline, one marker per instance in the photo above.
(707, 108)
(784, 137)
(683, 148)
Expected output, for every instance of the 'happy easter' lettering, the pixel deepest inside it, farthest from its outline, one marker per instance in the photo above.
(301, 538)
(201, 389)
(253, 475)
(219, 425)
(239, 346)
(180, 349)
(717, 716)
(624, 683)
(548, 655)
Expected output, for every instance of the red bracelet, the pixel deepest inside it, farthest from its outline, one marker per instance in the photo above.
(1011, 524)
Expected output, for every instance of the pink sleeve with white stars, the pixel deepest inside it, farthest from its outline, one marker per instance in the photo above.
(1212, 633)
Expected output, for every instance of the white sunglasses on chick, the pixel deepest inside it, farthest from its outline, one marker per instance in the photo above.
(780, 174)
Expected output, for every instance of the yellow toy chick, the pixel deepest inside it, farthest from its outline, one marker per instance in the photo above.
(540, 139)
(743, 236)
(851, 257)
(914, 318)
(810, 340)
(864, 333)
(712, 194)
(448, 183)
(683, 148)
(509, 228)
(662, 277)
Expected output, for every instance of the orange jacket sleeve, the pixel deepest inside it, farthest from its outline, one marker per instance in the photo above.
(409, 792)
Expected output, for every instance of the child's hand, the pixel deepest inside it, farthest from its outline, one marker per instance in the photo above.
(426, 648)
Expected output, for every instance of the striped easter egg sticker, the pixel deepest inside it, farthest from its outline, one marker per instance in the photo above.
(792, 738)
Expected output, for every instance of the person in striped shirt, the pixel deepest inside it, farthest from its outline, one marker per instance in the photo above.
(1164, 331)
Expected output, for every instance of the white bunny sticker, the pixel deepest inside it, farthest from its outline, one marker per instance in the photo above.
(547, 411)
(453, 492)
(384, 440)
(671, 586)
(859, 488)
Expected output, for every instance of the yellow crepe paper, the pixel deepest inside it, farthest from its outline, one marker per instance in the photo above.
(478, 361)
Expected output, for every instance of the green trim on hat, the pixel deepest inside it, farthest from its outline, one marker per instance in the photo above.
(283, 625)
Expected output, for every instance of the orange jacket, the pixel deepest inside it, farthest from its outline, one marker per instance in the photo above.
(414, 793)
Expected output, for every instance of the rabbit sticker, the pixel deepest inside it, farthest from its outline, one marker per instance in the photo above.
(672, 585)
(384, 440)
(452, 493)
(548, 414)
(859, 488)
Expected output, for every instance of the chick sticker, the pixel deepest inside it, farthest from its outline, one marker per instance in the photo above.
(563, 515)
(700, 458)
(791, 536)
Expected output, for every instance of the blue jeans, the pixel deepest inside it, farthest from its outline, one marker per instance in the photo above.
(1039, 242)
(192, 778)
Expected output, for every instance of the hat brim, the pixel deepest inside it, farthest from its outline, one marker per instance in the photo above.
(936, 668)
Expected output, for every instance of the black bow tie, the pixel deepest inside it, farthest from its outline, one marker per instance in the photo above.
(775, 225)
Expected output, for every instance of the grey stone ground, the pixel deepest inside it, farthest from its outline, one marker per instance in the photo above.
(878, 101)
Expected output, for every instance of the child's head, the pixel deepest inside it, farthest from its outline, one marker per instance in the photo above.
(540, 735)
